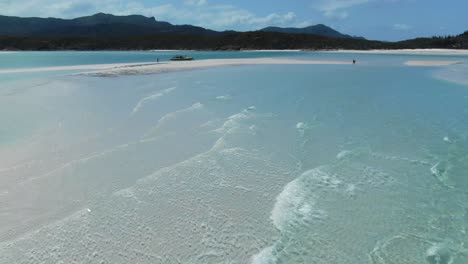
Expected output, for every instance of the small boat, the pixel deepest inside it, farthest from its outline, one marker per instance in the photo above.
(181, 58)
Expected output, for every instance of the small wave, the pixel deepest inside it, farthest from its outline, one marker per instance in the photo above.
(167, 117)
(152, 97)
(292, 205)
(233, 121)
(296, 204)
(232, 124)
(343, 154)
(170, 116)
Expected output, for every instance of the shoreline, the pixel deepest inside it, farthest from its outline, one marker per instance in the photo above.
(372, 51)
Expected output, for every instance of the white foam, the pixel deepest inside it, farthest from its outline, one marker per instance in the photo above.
(232, 124)
(296, 204)
(264, 257)
(434, 169)
(302, 127)
(351, 189)
(233, 121)
(152, 97)
(439, 254)
(288, 204)
(223, 97)
(343, 154)
(253, 129)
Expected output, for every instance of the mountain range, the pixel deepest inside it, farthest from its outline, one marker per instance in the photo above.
(106, 25)
(102, 25)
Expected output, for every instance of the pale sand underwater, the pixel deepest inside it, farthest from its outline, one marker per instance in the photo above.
(432, 63)
(406, 51)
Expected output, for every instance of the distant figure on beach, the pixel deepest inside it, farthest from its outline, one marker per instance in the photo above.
(354, 61)
(157, 60)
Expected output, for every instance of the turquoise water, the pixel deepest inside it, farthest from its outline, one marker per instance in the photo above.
(251, 164)
(67, 58)
(33, 59)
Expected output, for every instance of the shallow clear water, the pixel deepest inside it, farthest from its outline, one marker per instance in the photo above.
(249, 164)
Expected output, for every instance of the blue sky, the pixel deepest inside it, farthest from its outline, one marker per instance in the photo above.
(373, 19)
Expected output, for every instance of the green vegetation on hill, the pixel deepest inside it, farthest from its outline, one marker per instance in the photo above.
(319, 29)
(227, 41)
(108, 32)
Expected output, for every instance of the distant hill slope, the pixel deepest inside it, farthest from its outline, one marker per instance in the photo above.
(106, 25)
(447, 42)
(319, 29)
(102, 25)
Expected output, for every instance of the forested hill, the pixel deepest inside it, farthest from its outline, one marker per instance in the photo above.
(319, 29)
(98, 25)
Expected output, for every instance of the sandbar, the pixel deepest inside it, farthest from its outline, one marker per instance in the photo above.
(200, 64)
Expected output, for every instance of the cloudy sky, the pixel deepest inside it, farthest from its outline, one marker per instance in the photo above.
(373, 19)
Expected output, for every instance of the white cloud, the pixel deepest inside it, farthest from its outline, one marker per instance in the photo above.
(196, 2)
(401, 27)
(197, 12)
(337, 8)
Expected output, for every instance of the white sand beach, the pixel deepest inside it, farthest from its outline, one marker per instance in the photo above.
(432, 63)
(274, 50)
(153, 67)
(406, 51)
(191, 65)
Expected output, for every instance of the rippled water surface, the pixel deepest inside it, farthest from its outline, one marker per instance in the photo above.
(248, 164)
